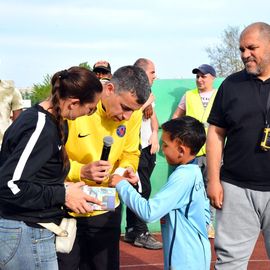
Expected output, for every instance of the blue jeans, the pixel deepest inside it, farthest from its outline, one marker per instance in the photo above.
(23, 247)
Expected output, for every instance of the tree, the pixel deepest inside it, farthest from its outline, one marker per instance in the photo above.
(225, 56)
(41, 90)
(85, 65)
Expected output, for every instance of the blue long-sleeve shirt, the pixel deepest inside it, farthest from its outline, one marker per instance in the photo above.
(183, 198)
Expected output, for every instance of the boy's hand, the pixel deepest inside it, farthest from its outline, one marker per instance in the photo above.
(115, 179)
(131, 176)
(128, 175)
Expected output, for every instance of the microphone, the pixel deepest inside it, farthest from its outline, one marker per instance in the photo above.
(107, 142)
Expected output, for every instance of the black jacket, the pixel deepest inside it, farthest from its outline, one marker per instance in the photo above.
(31, 169)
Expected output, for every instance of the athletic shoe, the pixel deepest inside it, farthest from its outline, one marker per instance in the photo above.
(147, 240)
(130, 237)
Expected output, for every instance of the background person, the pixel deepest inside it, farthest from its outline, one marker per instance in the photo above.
(103, 70)
(33, 167)
(137, 231)
(241, 189)
(198, 103)
(181, 204)
(11, 104)
(118, 115)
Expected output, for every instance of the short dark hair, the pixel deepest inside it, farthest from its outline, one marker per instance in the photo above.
(188, 130)
(132, 79)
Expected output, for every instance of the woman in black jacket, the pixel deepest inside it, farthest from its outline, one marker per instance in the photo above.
(33, 168)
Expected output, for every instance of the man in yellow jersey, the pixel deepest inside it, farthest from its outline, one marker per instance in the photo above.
(198, 103)
(117, 115)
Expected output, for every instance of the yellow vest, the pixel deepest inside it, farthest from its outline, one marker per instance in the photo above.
(194, 108)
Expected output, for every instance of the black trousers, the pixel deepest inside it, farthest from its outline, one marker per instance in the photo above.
(146, 166)
(96, 245)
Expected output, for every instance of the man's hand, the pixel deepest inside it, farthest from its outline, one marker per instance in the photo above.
(147, 112)
(215, 193)
(97, 171)
(76, 199)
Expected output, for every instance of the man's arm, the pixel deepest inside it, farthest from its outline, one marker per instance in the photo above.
(178, 113)
(15, 114)
(214, 149)
(17, 104)
(149, 101)
(181, 108)
(154, 136)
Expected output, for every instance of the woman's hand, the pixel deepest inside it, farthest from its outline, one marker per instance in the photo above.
(77, 200)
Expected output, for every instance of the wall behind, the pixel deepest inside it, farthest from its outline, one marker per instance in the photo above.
(167, 96)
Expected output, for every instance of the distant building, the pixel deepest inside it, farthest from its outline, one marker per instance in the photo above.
(26, 93)
(26, 103)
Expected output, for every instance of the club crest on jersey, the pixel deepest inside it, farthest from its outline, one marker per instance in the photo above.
(121, 131)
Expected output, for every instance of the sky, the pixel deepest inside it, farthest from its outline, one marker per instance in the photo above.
(40, 37)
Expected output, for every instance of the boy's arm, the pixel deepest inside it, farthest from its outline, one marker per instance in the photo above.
(161, 204)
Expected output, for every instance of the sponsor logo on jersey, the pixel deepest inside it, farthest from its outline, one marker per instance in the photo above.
(121, 131)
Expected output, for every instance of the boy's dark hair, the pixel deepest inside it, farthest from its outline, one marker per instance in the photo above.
(188, 130)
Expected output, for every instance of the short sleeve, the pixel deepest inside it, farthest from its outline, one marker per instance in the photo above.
(182, 103)
(17, 101)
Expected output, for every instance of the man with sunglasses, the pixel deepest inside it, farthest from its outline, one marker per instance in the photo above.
(103, 70)
(198, 103)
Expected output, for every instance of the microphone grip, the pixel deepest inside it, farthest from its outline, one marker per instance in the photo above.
(105, 152)
(105, 155)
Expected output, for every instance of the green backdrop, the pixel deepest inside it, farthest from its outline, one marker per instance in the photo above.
(167, 96)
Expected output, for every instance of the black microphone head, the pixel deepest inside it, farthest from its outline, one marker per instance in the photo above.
(108, 141)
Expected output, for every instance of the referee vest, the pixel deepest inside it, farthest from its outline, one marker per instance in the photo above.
(194, 108)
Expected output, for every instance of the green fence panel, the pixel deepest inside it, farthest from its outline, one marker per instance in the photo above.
(168, 93)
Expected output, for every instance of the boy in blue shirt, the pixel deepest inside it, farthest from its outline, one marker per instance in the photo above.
(181, 204)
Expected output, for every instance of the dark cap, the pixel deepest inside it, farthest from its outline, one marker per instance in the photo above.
(102, 65)
(205, 69)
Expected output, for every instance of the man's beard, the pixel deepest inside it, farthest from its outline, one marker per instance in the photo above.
(253, 70)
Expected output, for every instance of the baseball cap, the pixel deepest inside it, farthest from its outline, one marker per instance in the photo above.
(205, 69)
(102, 65)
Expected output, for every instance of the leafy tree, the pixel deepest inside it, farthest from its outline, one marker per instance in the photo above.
(41, 90)
(26, 95)
(225, 56)
(86, 65)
